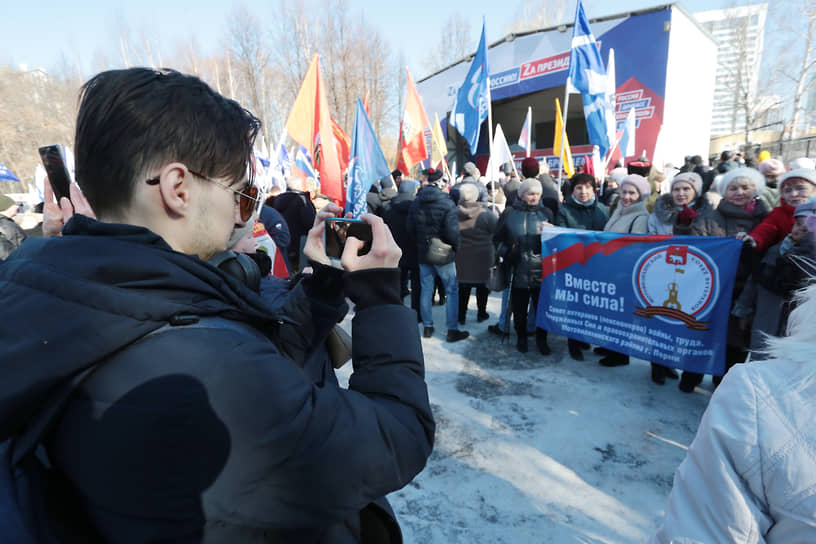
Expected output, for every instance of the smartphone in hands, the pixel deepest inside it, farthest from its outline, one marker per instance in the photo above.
(338, 229)
(53, 159)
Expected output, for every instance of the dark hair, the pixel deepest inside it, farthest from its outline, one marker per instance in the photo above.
(133, 121)
(581, 178)
(727, 155)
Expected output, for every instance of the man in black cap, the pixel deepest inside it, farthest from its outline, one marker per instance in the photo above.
(434, 224)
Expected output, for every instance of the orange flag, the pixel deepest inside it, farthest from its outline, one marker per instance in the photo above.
(365, 105)
(343, 144)
(411, 148)
(310, 124)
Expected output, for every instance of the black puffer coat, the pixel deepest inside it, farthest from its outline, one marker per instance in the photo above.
(433, 213)
(396, 217)
(206, 434)
(518, 237)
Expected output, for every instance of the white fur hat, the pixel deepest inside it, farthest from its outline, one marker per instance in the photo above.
(751, 174)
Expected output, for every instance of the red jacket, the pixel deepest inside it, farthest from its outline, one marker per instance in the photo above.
(777, 225)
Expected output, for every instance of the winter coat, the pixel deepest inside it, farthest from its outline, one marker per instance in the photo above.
(664, 219)
(11, 236)
(777, 225)
(732, 220)
(203, 434)
(748, 476)
(770, 196)
(518, 239)
(299, 213)
(573, 215)
(475, 256)
(549, 194)
(396, 217)
(378, 200)
(483, 196)
(276, 226)
(633, 219)
(433, 214)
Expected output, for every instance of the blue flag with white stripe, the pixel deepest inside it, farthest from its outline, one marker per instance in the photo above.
(367, 163)
(303, 160)
(587, 76)
(470, 107)
(6, 175)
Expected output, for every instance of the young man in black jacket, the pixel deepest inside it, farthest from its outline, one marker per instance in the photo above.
(229, 432)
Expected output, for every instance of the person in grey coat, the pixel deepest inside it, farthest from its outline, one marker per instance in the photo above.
(630, 215)
(476, 254)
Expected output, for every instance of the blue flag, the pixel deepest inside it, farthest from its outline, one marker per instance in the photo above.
(367, 163)
(587, 76)
(470, 107)
(303, 160)
(662, 298)
(6, 175)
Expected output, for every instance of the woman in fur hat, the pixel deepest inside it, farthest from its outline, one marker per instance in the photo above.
(740, 210)
(630, 217)
(684, 211)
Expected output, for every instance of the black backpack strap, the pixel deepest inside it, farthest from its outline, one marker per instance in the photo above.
(27, 441)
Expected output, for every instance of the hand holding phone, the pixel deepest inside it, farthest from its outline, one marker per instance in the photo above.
(338, 230)
(53, 159)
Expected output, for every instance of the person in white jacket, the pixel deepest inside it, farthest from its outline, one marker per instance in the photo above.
(750, 474)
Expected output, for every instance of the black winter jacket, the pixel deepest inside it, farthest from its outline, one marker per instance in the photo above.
(433, 213)
(575, 216)
(205, 434)
(396, 217)
(518, 237)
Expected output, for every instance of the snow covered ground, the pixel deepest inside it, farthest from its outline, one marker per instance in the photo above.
(534, 449)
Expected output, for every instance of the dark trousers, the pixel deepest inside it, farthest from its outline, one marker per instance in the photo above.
(482, 293)
(412, 273)
(519, 303)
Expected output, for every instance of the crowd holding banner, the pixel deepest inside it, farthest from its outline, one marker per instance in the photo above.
(665, 298)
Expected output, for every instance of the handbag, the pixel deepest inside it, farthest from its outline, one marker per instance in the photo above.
(498, 277)
(439, 253)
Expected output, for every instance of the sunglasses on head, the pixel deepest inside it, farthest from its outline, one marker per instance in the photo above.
(247, 199)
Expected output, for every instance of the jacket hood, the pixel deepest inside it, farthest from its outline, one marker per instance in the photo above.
(469, 210)
(74, 300)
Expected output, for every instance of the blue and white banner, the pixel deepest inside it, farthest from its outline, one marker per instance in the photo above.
(367, 163)
(6, 174)
(470, 108)
(662, 298)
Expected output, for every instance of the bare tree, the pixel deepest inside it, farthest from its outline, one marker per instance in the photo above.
(795, 59)
(35, 109)
(535, 14)
(355, 60)
(456, 41)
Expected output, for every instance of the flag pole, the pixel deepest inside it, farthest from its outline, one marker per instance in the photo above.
(490, 131)
(563, 134)
(529, 130)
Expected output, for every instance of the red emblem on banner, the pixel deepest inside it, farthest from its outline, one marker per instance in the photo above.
(676, 255)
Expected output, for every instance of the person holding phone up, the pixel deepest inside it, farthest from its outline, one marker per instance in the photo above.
(199, 422)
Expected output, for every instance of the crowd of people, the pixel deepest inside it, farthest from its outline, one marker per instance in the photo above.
(151, 319)
(765, 205)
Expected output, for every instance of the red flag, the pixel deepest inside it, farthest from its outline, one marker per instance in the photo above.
(343, 144)
(411, 148)
(310, 124)
(365, 105)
